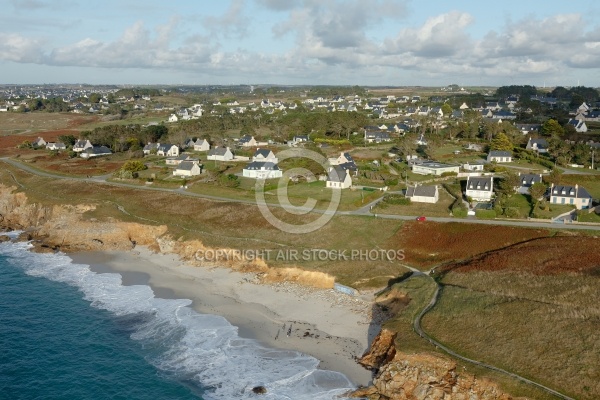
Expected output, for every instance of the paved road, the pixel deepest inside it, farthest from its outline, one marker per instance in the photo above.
(363, 211)
(419, 330)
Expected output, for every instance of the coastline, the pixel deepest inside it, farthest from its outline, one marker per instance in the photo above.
(334, 328)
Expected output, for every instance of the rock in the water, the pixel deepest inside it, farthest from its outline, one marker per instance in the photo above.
(259, 390)
(24, 237)
(4, 238)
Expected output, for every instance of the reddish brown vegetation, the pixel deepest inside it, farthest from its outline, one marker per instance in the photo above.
(430, 244)
(545, 256)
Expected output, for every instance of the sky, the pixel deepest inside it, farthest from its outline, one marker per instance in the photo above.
(302, 42)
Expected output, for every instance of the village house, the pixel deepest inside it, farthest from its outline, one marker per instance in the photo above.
(188, 168)
(264, 155)
(55, 146)
(262, 170)
(220, 154)
(434, 168)
(168, 150)
(571, 195)
(179, 159)
(480, 188)
(338, 178)
(82, 145)
(538, 145)
(423, 194)
(247, 141)
(526, 181)
(579, 125)
(39, 142)
(475, 166)
(150, 147)
(96, 151)
(201, 145)
(499, 156)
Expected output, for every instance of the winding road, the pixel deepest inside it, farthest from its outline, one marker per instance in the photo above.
(419, 330)
(363, 211)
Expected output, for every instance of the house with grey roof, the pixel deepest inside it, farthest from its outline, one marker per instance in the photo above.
(538, 145)
(201, 145)
(81, 145)
(247, 141)
(338, 178)
(220, 154)
(499, 156)
(434, 168)
(480, 188)
(262, 170)
(527, 181)
(423, 194)
(188, 168)
(167, 149)
(264, 155)
(576, 196)
(96, 151)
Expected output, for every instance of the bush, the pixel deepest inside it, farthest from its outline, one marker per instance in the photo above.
(229, 180)
(512, 212)
(485, 214)
(459, 210)
(449, 174)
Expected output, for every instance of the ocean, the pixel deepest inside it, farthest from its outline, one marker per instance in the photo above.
(68, 332)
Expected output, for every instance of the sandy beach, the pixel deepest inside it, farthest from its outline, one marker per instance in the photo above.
(334, 328)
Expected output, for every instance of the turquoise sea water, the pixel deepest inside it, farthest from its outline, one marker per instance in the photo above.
(69, 333)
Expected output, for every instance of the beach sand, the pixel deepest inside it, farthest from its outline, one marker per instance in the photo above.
(333, 327)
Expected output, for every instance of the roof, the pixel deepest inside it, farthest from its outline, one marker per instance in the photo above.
(480, 183)
(98, 150)
(436, 165)
(246, 138)
(348, 166)
(165, 146)
(530, 179)
(218, 151)
(337, 174)
(576, 192)
(186, 165)
(500, 153)
(262, 152)
(421, 191)
(262, 165)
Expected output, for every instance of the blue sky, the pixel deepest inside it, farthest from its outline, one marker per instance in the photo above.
(328, 42)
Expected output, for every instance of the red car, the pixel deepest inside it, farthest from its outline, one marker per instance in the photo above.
(421, 218)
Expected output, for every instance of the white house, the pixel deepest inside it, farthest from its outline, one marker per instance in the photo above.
(179, 159)
(150, 147)
(338, 178)
(173, 118)
(220, 154)
(475, 166)
(423, 194)
(264, 155)
(434, 168)
(201, 145)
(499, 156)
(480, 188)
(579, 125)
(166, 149)
(262, 170)
(55, 146)
(39, 142)
(573, 195)
(528, 180)
(247, 141)
(96, 151)
(188, 168)
(81, 145)
(537, 145)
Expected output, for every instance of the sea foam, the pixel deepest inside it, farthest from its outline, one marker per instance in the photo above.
(199, 349)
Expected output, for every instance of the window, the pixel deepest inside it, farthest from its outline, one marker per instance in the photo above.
(572, 201)
(562, 200)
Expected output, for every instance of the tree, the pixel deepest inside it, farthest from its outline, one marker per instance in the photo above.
(68, 140)
(134, 166)
(509, 183)
(555, 176)
(536, 191)
(501, 142)
(552, 128)
(446, 109)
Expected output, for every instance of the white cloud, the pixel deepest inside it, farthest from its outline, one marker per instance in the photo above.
(19, 48)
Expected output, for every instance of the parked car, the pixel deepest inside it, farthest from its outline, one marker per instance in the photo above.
(421, 218)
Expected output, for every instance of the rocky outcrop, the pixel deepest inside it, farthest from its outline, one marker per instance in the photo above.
(382, 351)
(426, 376)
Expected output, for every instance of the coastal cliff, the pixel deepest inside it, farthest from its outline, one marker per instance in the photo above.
(400, 376)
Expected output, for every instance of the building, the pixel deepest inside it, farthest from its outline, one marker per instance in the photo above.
(201, 145)
(82, 145)
(264, 155)
(338, 178)
(220, 154)
(527, 181)
(475, 166)
(423, 194)
(188, 168)
(480, 188)
(573, 195)
(247, 141)
(434, 168)
(538, 145)
(499, 156)
(262, 170)
(168, 150)
(96, 151)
